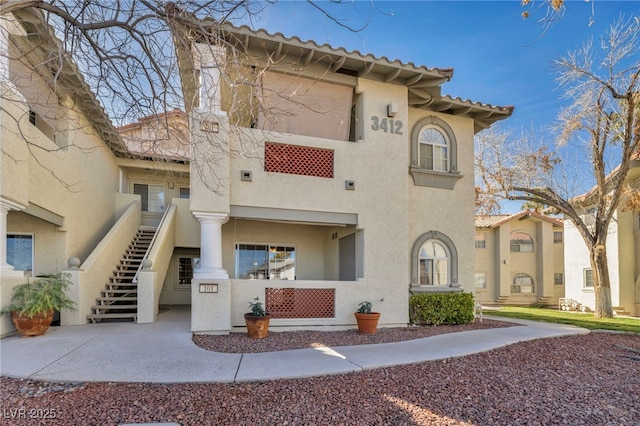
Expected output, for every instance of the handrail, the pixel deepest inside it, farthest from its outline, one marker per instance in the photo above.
(153, 240)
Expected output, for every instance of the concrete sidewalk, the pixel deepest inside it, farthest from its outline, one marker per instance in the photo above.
(163, 352)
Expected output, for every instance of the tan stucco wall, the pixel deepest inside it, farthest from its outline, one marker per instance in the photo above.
(57, 179)
(48, 242)
(450, 212)
(500, 264)
(392, 213)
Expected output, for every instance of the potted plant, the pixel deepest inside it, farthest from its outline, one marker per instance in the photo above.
(367, 320)
(34, 302)
(257, 320)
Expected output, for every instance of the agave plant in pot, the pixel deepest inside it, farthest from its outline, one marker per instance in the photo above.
(257, 320)
(34, 302)
(366, 319)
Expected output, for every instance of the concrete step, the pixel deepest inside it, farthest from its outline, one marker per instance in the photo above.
(117, 282)
(98, 317)
(112, 299)
(121, 291)
(99, 308)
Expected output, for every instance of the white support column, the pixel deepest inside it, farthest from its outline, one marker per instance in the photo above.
(6, 270)
(211, 246)
(212, 58)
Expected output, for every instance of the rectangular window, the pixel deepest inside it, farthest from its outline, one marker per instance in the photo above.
(20, 251)
(481, 240)
(481, 280)
(558, 278)
(152, 197)
(186, 266)
(441, 160)
(265, 262)
(557, 237)
(185, 192)
(42, 125)
(588, 278)
(426, 156)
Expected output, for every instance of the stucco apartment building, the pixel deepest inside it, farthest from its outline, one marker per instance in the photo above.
(623, 254)
(312, 182)
(519, 259)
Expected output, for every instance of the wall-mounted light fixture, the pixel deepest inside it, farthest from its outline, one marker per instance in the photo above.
(392, 109)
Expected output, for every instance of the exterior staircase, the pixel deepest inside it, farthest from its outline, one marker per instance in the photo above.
(119, 300)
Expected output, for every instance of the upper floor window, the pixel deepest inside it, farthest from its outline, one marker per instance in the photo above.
(521, 243)
(557, 237)
(481, 241)
(433, 149)
(434, 154)
(152, 197)
(185, 192)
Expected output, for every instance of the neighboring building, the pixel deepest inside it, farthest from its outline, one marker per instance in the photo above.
(623, 254)
(314, 182)
(519, 259)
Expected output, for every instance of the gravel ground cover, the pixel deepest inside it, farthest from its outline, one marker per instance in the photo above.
(580, 380)
(240, 343)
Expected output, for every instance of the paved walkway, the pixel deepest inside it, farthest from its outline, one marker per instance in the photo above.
(163, 352)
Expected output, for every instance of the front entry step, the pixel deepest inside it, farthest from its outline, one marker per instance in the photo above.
(119, 299)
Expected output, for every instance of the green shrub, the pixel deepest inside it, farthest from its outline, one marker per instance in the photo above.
(441, 308)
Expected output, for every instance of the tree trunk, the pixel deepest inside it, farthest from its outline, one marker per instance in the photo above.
(601, 282)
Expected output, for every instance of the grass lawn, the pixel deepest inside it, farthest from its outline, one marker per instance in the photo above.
(585, 320)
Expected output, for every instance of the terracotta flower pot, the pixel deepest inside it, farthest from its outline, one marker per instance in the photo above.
(367, 323)
(29, 327)
(257, 327)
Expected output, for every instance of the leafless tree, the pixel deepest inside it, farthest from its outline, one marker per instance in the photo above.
(602, 83)
(126, 54)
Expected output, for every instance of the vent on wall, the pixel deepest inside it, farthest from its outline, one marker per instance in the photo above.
(246, 176)
(350, 185)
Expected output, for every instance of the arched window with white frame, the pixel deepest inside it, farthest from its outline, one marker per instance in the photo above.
(522, 284)
(434, 154)
(433, 149)
(434, 262)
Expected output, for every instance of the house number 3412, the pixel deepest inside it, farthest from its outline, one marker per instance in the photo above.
(386, 125)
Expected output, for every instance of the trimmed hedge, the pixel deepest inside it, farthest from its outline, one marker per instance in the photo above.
(441, 308)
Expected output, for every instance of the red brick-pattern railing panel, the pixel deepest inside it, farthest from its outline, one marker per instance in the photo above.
(298, 160)
(300, 302)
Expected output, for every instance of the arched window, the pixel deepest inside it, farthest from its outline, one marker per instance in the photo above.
(434, 154)
(522, 283)
(433, 149)
(434, 261)
(521, 242)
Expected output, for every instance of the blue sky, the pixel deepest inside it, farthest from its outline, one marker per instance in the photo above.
(498, 57)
